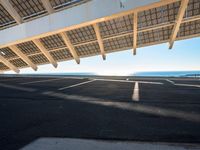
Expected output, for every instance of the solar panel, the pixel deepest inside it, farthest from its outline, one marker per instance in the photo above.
(193, 8)
(53, 42)
(154, 36)
(18, 63)
(158, 15)
(3, 67)
(28, 48)
(81, 35)
(88, 49)
(62, 54)
(118, 43)
(189, 28)
(7, 53)
(5, 18)
(116, 26)
(28, 8)
(39, 59)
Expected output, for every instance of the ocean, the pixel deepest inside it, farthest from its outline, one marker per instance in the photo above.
(168, 74)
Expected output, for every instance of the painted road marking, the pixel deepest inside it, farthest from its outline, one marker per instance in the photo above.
(136, 94)
(48, 80)
(180, 84)
(17, 88)
(71, 86)
(40, 81)
(189, 85)
(170, 81)
(128, 81)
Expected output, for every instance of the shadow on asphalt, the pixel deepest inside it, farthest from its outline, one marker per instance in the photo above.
(27, 116)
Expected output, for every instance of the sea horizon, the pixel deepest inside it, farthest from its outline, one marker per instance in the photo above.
(139, 73)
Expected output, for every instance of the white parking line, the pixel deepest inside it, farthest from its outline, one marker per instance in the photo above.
(189, 85)
(39, 81)
(17, 88)
(71, 86)
(136, 95)
(48, 80)
(179, 84)
(170, 81)
(128, 81)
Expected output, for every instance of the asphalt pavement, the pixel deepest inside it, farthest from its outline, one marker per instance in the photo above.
(101, 108)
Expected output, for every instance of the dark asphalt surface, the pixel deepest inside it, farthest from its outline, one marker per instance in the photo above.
(98, 110)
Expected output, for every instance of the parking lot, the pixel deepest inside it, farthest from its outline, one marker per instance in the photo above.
(113, 108)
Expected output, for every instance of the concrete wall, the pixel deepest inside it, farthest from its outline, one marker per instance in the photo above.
(86, 12)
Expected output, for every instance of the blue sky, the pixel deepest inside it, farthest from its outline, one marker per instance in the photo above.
(184, 56)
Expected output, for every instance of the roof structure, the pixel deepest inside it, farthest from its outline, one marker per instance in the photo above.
(156, 23)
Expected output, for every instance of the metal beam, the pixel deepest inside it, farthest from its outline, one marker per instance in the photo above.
(70, 46)
(184, 4)
(6, 4)
(135, 32)
(9, 65)
(99, 39)
(45, 52)
(47, 6)
(23, 57)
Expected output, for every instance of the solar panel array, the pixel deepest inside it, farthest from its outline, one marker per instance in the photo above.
(32, 9)
(154, 26)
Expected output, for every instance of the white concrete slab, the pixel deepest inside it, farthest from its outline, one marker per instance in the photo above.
(80, 144)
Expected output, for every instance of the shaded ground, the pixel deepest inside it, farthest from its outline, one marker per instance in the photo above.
(98, 110)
